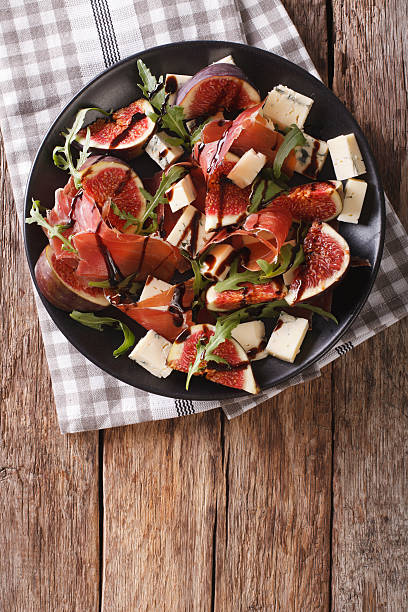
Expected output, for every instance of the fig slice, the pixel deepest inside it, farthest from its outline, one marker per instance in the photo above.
(225, 203)
(327, 256)
(125, 132)
(58, 283)
(105, 178)
(223, 301)
(237, 373)
(312, 202)
(215, 88)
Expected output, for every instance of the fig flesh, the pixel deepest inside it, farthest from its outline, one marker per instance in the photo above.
(312, 202)
(124, 133)
(223, 301)
(327, 256)
(216, 88)
(236, 373)
(58, 283)
(109, 178)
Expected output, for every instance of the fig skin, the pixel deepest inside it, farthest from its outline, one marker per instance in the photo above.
(186, 94)
(59, 293)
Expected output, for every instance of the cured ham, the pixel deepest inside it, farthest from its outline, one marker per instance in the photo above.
(167, 313)
(262, 234)
(248, 131)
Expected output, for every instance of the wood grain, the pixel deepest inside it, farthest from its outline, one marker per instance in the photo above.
(49, 557)
(160, 503)
(273, 536)
(370, 386)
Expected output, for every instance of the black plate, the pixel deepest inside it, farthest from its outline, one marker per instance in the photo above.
(117, 87)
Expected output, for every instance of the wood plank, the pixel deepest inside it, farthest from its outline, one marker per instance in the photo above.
(309, 17)
(48, 482)
(160, 502)
(370, 393)
(273, 537)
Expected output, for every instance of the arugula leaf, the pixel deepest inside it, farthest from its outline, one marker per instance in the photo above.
(126, 283)
(148, 79)
(263, 190)
(200, 282)
(196, 134)
(125, 216)
(293, 138)
(173, 120)
(62, 155)
(89, 319)
(54, 231)
(235, 278)
(174, 174)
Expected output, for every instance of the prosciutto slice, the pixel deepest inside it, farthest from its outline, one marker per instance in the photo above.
(262, 234)
(167, 313)
(250, 130)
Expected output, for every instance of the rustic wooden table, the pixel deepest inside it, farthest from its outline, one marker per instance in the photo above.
(298, 505)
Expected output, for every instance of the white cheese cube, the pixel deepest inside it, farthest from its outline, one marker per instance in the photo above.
(189, 232)
(346, 156)
(311, 156)
(285, 106)
(354, 195)
(151, 353)
(173, 83)
(181, 194)
(247, 168)
(153, 286)
(225, 60)
(251, 337)
(162, 153)
(287, 337)
(217, 263)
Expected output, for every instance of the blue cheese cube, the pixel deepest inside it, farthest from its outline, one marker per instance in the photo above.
(287, 337)
(151, 353)
(181, 194)
(354, 195)
(161, 152)
(189, 232)
(346, 157)
(283, 107)
(153, 286)
(311, 156)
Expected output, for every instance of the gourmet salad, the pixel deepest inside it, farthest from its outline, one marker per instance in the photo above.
(219, 239)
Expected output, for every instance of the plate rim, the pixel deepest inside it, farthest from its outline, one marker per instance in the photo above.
(228, 394)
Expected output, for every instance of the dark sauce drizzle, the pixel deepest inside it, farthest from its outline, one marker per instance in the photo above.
(120, 137)
(311, 169)
(215, 158)
(115, 276)
(72, 208)
(176, 305)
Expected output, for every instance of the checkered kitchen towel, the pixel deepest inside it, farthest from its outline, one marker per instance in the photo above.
(49, 49)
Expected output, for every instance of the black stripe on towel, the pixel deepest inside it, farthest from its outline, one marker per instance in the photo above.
(106, 33)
